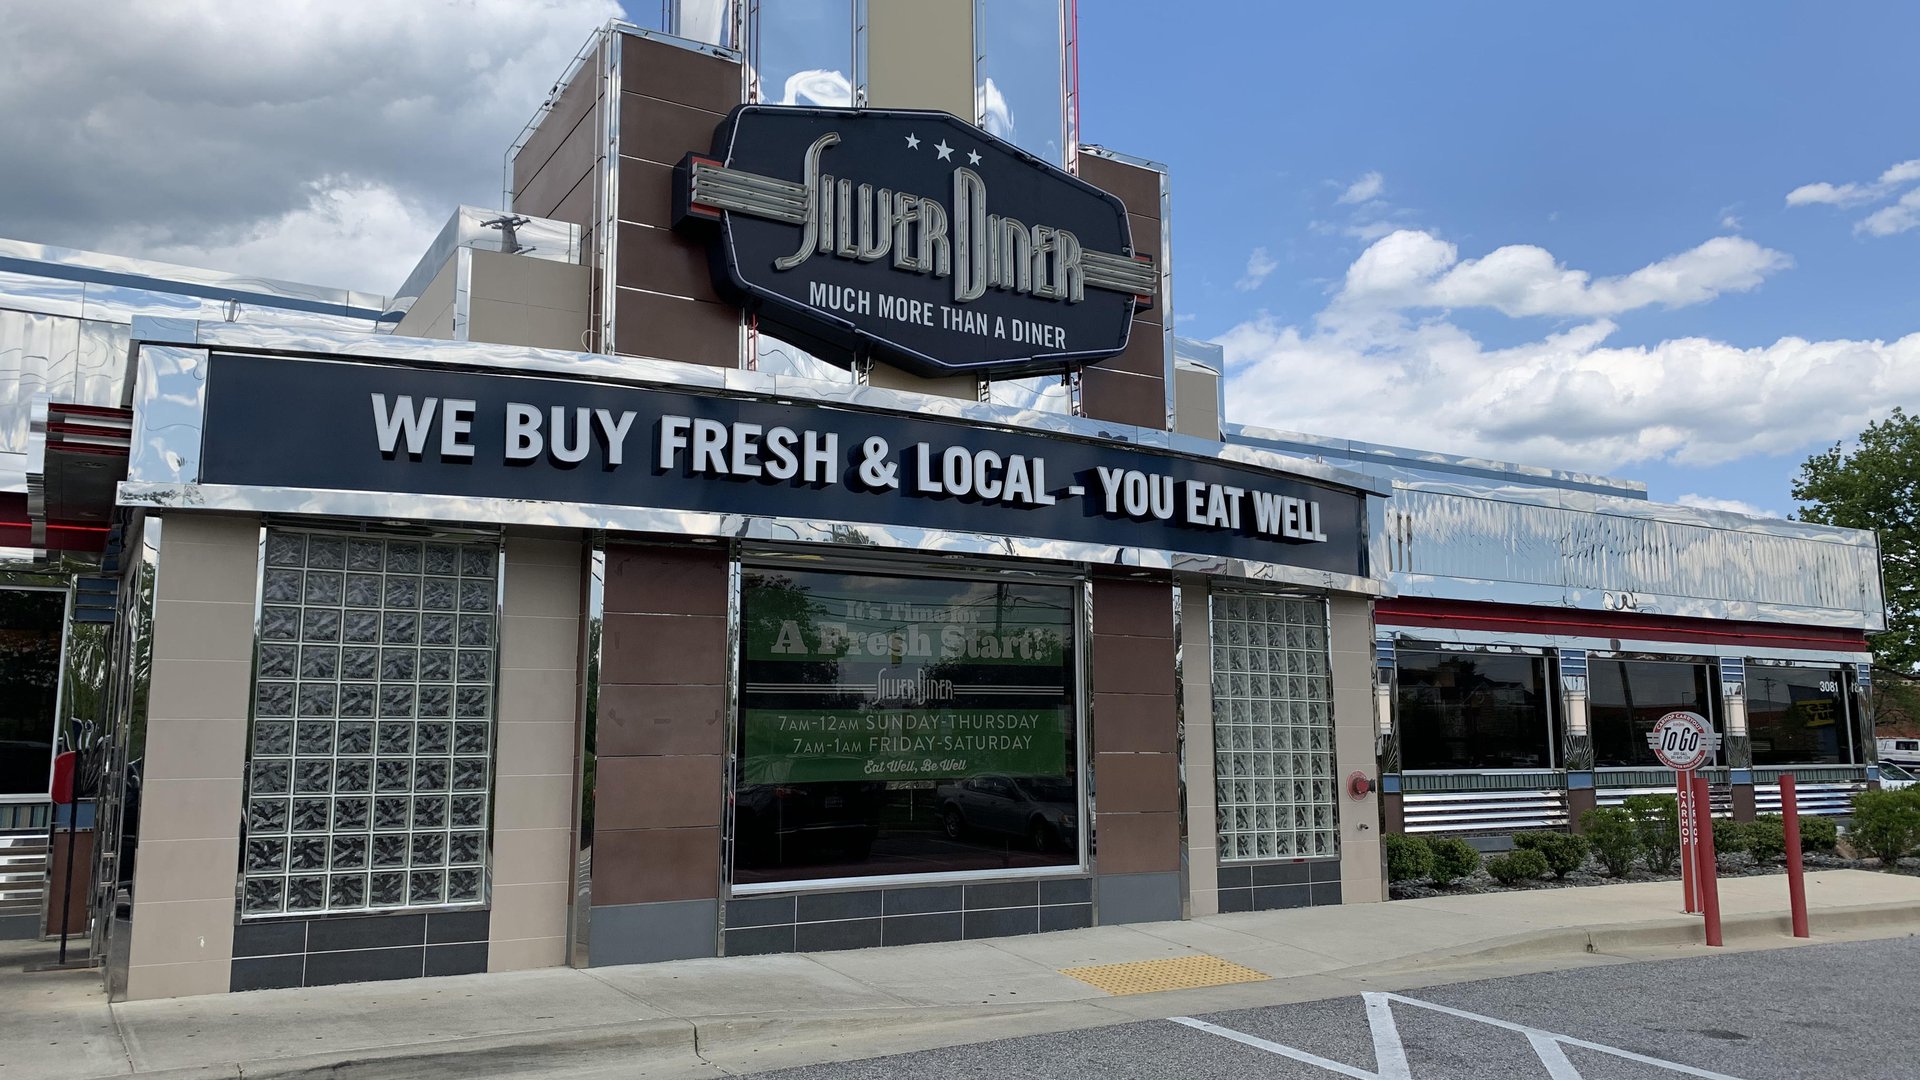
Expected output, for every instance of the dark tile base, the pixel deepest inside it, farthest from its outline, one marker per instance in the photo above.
(19, 927)
(911, 915)
(288, 953)
(1277, 886)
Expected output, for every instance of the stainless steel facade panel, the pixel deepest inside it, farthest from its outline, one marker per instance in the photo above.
(1574, 549)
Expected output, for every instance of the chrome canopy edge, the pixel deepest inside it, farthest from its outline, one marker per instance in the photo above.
(674, 375)
(453, 508)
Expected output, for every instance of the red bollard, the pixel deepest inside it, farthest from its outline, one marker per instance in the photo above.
(1708, 878)
(1796, 873)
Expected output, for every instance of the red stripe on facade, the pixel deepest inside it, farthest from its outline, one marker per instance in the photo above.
(1519, 619)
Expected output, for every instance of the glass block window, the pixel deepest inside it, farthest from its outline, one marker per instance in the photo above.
(1273, 729)
(372, 725)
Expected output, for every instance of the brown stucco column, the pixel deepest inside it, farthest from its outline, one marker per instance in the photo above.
(1744, 805)
(1131, 388)
(1135, 752)
(650, 282)
(659, 771)
(1579, 801)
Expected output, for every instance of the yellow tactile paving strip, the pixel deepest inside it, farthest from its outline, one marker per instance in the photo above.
(1153, 976)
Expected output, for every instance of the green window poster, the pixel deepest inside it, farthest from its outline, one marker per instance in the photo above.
(855, 677)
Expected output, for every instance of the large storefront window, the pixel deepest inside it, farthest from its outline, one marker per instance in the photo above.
(1273, 729)
(372, 724)
(30, 623)
(1627, 697)
(902, 725)
(1473, 710)
(1798, 716)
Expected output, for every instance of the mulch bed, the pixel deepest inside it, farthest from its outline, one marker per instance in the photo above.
(1731, 865)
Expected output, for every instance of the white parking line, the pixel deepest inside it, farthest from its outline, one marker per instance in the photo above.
(1259, 1043)
(1390, 1056)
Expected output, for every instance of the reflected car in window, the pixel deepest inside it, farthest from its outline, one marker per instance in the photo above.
(1041, 809)
(1894, 777)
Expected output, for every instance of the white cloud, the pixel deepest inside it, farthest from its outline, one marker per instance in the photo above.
(1854, 194)
(1260, 266)
(192, 127)
(1730, 506)
(817, 86)
(1903, 215)
(991, 106)
(352, 233)
(1412, 268)
(1730, 222)
(1569, 399)
(1365, 189)
(1889, 220)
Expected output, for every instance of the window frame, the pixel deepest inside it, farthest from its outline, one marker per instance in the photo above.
(1715, 705)
(346, 532)
(969, 570)
(1550, 695)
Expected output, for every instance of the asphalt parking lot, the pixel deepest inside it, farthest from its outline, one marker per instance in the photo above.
(1828, 1011)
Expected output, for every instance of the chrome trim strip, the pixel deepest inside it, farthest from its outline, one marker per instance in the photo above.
(580, 909)
(607, 249)
(37, 472)
(1425, 460)
(1096, 150)
(459, 509)
(462, 292)
(98, 268)
(1671, 651)
(670, 374)
(133, 672)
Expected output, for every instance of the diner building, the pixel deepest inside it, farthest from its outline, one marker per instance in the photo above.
(1539, 622)
(789, 523)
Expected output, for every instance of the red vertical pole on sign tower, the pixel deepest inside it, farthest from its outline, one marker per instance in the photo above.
(1683, 794)
(1708, 875)
(1796, 873)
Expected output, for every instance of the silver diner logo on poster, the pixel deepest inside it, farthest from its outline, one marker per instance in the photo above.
(914, 238)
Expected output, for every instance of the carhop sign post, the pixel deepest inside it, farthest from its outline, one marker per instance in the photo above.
(1684, 741)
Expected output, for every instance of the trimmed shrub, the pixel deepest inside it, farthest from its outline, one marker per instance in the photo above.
(1821, 834)
(1611, 832)
(1521, 864)
(1409, 858)
(1886, 824)
(1765, 837)
(1564, 853)
(1729, 837)
(1453, 859)
(1656, 821)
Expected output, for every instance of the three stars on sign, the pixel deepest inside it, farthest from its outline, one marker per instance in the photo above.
(942, 150)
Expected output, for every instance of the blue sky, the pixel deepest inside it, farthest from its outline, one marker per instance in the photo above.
(1613, 137)
(1554, 234)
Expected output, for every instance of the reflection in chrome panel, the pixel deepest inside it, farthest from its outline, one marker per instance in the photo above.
(1574, 549)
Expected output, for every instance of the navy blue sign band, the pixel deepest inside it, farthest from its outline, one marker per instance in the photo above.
(297, 423)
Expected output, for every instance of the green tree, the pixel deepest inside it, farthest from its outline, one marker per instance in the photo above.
(1877, 486)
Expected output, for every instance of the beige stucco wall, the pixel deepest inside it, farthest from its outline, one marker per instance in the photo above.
(431, 315)
(536, 302)
(1351, 637)
(920, 56)
(535, 747)
(192, 791)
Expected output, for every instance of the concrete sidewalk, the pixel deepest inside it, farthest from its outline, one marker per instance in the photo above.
(705, 1018)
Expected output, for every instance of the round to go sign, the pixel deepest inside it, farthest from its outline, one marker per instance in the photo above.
(1682, 740)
